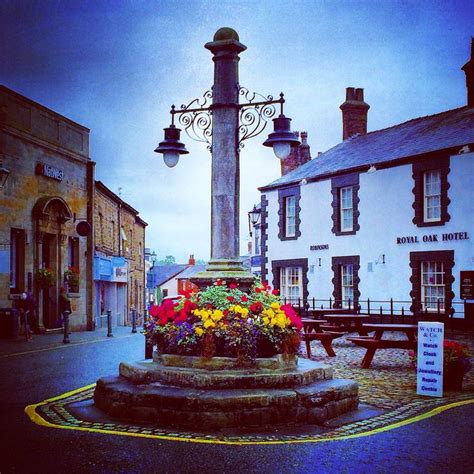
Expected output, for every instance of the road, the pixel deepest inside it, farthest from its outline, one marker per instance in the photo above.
(442, 443)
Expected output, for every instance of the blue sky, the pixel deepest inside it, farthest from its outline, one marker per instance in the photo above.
(117, 66)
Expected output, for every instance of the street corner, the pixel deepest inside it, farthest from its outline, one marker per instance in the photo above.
(75, 410)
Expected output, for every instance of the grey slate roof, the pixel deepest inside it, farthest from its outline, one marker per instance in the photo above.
(191, 270)
(453, 128)
(163, 273)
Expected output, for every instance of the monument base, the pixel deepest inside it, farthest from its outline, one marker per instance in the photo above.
(228, 270)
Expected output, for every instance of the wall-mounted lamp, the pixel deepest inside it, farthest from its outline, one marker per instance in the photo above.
(380, 260)
(319, 262)
(4, 174)
(372, 169)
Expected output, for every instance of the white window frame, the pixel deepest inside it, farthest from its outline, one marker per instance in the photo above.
(290, 216)
(347, 285)
(433, 287)
(429, 196)
(291, 284)
(347, 209)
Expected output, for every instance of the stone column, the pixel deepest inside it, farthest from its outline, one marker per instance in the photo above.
(225, 262)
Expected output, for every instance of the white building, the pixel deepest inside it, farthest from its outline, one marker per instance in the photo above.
(386, 214)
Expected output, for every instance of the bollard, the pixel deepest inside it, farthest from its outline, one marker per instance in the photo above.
(66, 327)
(109, 323)
(134, 321)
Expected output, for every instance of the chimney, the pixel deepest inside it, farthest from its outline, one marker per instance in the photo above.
(354, 113)
(468, 69)
(299, 155)
(192, 261)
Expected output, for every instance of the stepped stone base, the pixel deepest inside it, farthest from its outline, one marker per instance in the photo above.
(187, 397)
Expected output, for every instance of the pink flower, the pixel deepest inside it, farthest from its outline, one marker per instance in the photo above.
(233, 286)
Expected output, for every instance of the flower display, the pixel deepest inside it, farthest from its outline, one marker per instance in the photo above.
(224, 321)
(45, 277)
(71, 276)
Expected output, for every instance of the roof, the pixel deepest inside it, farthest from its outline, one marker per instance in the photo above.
(163, 273)
(443, 131)
(191, 271)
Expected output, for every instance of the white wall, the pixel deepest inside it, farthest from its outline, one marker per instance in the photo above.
(386, 213)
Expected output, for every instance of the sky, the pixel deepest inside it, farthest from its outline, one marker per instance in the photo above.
(117, 66)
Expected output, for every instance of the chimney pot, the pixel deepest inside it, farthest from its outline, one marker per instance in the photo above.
(299, 155)
(354, 113)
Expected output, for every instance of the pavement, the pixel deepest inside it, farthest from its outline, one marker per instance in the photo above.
(438, 440)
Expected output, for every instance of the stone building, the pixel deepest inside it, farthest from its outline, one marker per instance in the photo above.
(48, 191)
(119, 260)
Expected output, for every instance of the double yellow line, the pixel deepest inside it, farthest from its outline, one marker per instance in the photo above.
(30, 410)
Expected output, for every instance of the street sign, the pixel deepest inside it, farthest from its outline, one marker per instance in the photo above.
(429, 370)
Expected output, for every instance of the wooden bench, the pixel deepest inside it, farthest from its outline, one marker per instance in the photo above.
(326, 339)
(372, 345)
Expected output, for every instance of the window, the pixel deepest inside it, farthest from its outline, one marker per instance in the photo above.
(101, 229)
(140, 249)
(290, 216)
(432, 281)
(345, 204)
(289, 209)
(17, 260)
(432, 286)
(73, 252)
(430, 192)
(432, 196)
(346, 281)
(346, 209)
(291, 278)
(256, 250)
(291, 283)
(112, 234)
(347, 285)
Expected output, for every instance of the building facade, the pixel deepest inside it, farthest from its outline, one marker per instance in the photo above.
(49, 187)
(119, 259)
(383, 215)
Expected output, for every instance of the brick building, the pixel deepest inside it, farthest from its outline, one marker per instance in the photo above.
(119, 261)
(50, 183)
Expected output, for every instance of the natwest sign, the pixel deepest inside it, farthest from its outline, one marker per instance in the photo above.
(49, 171)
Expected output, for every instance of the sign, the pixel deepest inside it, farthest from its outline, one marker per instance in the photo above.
(319, 247)
(49, 171)
(120, 275)
(467, 283)
(83, 228)
(447, 237)
(429, 369)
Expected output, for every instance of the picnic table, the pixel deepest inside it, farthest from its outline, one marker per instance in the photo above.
(346, 323)
(322, 312)
(375, 342)
(313, 332)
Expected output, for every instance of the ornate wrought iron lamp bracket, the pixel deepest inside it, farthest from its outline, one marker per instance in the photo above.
(256, 113)
(196, 118)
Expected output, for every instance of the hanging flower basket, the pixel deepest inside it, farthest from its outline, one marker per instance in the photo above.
(72, 278)
(45, 278)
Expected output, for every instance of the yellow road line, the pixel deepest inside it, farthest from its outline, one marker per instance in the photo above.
(72, 344)
(30, 410)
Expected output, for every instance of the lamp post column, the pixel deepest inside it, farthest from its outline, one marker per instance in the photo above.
(225, 261)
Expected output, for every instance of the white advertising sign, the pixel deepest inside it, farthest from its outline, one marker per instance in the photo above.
(429, 370)
(119, 275)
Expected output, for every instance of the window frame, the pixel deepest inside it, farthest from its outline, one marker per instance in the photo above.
(278, 265)
(290, 218)
(283, 194)
(342, 208)
(419, 170)
(337, 264)
(339, 183)
(17, 260)
(446, 257)
(285, 284)
(347, 287)
(426, 197)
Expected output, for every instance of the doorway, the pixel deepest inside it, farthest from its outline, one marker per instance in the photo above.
(50, 295)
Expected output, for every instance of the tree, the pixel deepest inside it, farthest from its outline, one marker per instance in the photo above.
(168, 260)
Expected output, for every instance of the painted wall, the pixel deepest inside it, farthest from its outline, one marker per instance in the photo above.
(386, 213)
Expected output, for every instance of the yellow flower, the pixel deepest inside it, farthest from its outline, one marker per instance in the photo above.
(217, 315)
(209, 323)
(275, 305)
(199, 330)
(265, 320)
(281, 320)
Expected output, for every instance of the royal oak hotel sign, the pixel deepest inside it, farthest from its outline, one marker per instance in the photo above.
(446, 237)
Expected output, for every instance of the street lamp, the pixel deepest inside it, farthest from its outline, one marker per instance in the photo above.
(223, 125)
(254, 218)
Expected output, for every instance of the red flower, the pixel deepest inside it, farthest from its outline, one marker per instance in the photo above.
(258, 290)
(292, 316)
(275, 292)
(226, 312)
(219, 282)
(256, 307)
(230, 298)
(233, 286)
(244, 299)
